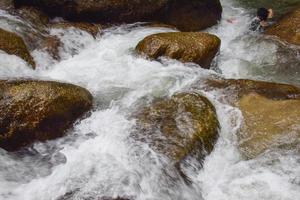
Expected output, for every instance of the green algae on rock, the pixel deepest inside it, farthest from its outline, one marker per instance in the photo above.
(200, 48)
(183, 124)
(38, 110)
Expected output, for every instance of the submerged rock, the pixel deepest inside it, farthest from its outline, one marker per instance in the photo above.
(188, 15)
(11, 43)
(288, 28)
(271, 113)
(90, 28)
(177, 127)
(38, 110)
(196, 47)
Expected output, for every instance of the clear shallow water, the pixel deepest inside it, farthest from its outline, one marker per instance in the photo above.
(99, 158)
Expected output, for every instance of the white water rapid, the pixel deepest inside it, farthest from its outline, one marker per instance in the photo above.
(99, 158)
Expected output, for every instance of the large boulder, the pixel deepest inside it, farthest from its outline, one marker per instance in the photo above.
(38, 110)
(11, 43)
(182, 125)
(187, 15)
(200, 48)
(288, 28)
(271, 113)
(196, 47)
(193, 15)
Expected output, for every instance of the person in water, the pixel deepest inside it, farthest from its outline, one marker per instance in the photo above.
(261, 21)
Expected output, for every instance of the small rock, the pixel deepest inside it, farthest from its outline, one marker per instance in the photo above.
(11, 43)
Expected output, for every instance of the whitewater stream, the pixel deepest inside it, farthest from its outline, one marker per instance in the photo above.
(98, 157)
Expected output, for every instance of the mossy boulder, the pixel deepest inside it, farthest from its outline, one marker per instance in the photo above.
(38, 110)
(11, 43)
(182, 125)
(271, 113)
(200, 48)
(288, 28)
(187, 15)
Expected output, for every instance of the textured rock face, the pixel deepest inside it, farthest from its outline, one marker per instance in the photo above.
(268, 123)
(271, 114)
(38, 110)
(195, 47)
(184, 124)
(187, 15)
(288, 28)
(13, 44)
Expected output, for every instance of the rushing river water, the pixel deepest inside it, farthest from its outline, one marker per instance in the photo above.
(99, 158)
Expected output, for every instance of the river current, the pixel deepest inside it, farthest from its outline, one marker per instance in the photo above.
(98, 157)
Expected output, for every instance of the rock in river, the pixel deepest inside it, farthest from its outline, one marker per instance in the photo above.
(183, 124)
(186, 15)
(11, 43)
(200, 48)
(38, 110)
(271, 113)
(288, 28)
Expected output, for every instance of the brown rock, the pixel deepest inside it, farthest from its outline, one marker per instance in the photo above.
(195, 47)
(14, 44)
(267, 123)
(271, 113)
(187, 15)
(193, 15)
(38, 110)
(288, 28)
(177, 127)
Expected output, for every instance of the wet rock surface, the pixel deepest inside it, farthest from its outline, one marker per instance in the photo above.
(14, 44)
(38, 110)
(186, 15)
(288, 28)
(176, 127)
(271, 113)
(200, 48)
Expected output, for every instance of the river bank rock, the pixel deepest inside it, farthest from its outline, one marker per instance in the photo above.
(14, 44)
(186, 15)
(288, 28)
(182, 125)
(38, 110)
(271, 113)
(200, 48)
